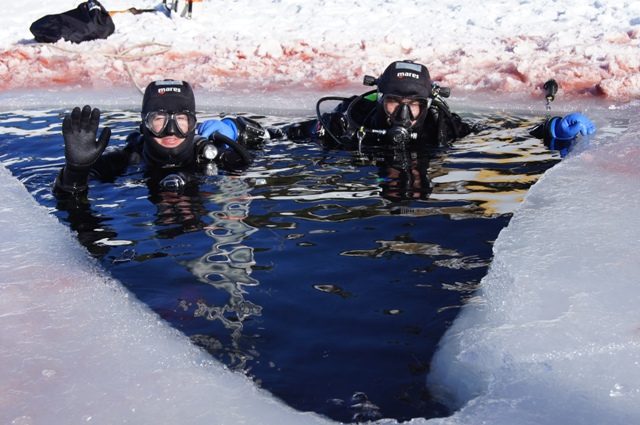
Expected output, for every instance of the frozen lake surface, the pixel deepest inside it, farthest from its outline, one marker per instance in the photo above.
(555, 311)
(552, 334)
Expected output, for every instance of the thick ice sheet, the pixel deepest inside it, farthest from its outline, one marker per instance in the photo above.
(75, 347)
(554, 333)
(503, 46)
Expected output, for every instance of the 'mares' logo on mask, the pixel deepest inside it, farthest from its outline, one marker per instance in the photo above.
(402, 75)
(163, 90)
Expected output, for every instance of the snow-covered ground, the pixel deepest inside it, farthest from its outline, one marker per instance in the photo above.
(554, 333)
(513, 46)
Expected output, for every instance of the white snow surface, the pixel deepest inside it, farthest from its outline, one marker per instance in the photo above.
(503, 46)
(553, 335)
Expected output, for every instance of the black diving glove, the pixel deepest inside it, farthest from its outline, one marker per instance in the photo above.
(81, 149)
(250, 132)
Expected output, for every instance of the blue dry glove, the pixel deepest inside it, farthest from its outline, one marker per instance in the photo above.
(226, 127)
(567, 128)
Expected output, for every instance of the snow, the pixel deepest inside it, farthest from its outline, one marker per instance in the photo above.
(553, 334)
(504, 46)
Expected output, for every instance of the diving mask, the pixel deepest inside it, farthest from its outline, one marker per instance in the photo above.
(162, 123)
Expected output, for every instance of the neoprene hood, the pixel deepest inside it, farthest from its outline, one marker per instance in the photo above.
(169, 96)
(406, 79)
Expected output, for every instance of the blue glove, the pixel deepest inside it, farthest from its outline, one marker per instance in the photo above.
(570, 126)
(226, 127)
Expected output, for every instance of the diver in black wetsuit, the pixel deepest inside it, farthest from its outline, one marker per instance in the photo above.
(173, 151)
(408, 110)
(400, 123)
(167, 144)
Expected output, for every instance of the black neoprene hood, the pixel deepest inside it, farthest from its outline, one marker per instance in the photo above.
(168, 95)
(406, 79)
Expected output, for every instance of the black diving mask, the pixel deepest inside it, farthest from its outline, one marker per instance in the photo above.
(399, 108)
(162, 123)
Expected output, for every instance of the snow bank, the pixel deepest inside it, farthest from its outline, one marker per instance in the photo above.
(267, 45)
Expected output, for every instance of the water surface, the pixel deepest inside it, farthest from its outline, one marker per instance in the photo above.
(327, 276)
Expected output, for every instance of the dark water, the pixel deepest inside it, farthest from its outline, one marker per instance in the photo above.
(326, 276)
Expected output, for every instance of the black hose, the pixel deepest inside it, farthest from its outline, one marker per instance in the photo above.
(319, 115)
(352, 126)
(220, 139)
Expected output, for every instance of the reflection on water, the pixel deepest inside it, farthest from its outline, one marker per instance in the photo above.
(410, 248)
(327, 276)
(491, 169)
(227, 266)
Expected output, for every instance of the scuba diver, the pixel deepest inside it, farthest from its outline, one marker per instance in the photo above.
(408, 110)
(169, 144)
(404, 122)
(171, 148)
(167, 163)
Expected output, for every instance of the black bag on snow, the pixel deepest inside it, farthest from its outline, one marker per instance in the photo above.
(89, 21)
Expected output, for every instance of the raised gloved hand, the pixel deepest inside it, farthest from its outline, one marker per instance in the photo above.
(81, 149)
(225, 127)
(570, 126)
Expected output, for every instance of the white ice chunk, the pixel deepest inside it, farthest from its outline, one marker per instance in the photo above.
(554, 334)
(76, 347)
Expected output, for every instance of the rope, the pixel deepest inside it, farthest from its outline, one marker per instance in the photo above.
(125, 55)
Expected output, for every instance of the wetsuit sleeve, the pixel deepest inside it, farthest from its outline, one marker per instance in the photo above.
(74, 182)
(299, 131)
(543, 130)
(250, 132)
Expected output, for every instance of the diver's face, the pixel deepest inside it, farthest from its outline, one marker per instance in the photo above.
(392, 104)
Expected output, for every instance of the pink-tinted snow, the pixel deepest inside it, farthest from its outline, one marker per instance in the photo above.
(497, 46)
